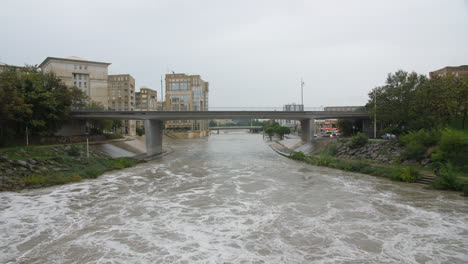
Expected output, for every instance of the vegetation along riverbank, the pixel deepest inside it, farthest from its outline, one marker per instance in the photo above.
(438, 159)
(40, 166)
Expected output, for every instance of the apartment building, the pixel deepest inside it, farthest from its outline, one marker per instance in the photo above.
(121, 92)
(458, 71)
(187, 93)
(122, 98)
(5, 67)
(89, 76)
(146, 99)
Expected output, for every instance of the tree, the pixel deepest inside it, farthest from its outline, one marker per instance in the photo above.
(395, 98)
(281, 131)
(270, 131)
(212, 123)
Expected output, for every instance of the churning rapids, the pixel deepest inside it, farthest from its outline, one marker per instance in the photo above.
(230, 199)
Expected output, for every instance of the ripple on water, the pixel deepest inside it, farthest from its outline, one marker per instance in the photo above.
(231, 199)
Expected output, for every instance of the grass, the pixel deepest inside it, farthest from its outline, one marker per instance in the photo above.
(63, 163)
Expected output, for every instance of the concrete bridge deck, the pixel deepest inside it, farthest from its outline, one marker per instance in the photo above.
(154, 120)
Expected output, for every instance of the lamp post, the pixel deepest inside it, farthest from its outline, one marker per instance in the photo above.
(375, 113)
(87, 142)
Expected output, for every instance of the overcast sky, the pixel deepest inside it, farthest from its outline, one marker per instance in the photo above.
(253, 53)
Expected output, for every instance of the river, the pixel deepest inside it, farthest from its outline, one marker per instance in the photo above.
(230, 199)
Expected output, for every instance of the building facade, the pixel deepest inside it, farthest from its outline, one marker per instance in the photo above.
(122, 98)
(186, 93)
(290, 108)
(458, 71)
(5, 67)
(89, 76)
(146, 100)
(121, 92)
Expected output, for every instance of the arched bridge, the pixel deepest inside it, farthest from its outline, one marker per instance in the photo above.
(154, 120)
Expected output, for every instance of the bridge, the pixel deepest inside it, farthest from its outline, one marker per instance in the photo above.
(154, 120)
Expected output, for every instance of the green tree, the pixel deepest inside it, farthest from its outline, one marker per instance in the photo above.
(395, 98)
(270, 131)
(281, 131)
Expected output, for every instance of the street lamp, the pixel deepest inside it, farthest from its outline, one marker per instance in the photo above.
(87, 141)
(375, 113)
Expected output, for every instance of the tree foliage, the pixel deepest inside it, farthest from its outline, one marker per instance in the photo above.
(409, 101)
(36, 100)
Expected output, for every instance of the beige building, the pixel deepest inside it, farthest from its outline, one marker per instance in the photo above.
(460, 71)
(89, 76)
(146, 100)
(122, 98)
(5, 67)
(186, 93)
(121, 92)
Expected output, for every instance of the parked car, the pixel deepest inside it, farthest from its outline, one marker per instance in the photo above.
(388, 136)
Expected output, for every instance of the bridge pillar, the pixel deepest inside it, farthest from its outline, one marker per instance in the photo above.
(307, 129)
(154, 136)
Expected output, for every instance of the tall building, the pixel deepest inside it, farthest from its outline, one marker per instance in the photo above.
(146, 100)
(459, 71)
(122, 98)
(121, 92)
(291, 108)
(89, 76)
(186, 93)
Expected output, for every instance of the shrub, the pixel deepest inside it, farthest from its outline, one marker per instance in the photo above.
(123, 163)
(409, 174)
(324, 159)
(35, 179)
(331, 149)
(140, 131)
(422, 137)
(73, 151)
(75, 177)
(359, 140)
(298, 156)
(414, 151)
(453, 147)
(446, 179)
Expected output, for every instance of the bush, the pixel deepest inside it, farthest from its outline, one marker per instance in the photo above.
(123, 163)
(140, 131)
(75, 177)
(73, 151)
(359, 140)
(298, 156)
(447, 179)
(414, 151)
(331, 149)
(453, 147)
(422, 137)
(409, 174)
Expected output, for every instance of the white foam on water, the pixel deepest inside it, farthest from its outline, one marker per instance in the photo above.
(232, 207)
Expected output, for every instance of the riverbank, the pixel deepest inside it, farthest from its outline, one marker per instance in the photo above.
(379, 158)
(41, 166)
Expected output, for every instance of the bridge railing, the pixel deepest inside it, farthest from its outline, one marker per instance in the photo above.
(266, 109)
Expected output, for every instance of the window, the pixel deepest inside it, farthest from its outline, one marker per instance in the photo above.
(80, 67)
(79, 76)
(79, 84)
(85, 85)
(74, 83)
(86, 67)
(76, 67)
